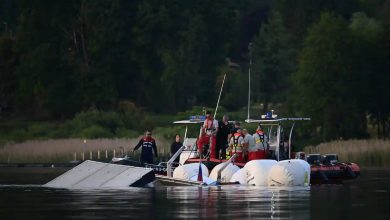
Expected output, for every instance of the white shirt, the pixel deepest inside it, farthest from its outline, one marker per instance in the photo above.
(240, 143)
(250, 140)
(207, 126)
(260, 145)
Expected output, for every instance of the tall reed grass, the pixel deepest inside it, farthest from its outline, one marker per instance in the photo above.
(368, 153)
(63, 150)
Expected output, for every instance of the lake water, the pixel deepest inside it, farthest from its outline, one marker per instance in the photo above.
(368, 197)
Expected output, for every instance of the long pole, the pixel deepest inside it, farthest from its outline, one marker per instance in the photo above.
(249, 79)
(185, 136)
(289, 141)
(219, 97)
(278, 142)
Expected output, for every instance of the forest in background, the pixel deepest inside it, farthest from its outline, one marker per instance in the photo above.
(101, 68)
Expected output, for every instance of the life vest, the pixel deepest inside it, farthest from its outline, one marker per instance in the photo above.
(237, 148)
(261, 140)
(228, 155)
(261, 136)
(209, 126)
(147, 143)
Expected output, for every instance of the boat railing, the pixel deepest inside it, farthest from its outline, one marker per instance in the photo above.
(171, 161)
(224, 167)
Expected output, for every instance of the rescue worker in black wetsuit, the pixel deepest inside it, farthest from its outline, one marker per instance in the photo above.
(147, 143)
(222, 137)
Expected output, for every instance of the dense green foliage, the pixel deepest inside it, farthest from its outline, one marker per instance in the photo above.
(88, 124)
(328, 60)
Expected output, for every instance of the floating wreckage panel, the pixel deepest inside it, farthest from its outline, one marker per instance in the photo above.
(95, 175)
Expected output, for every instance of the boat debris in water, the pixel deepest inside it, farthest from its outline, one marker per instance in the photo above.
(98, 175)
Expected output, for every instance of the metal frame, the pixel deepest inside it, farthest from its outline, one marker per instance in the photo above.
(278, 123)
(178, 152)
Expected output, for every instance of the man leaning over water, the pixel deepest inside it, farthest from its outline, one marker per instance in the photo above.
(147, 143)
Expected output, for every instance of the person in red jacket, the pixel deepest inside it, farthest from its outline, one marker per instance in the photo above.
(148, 144)
(208, 134)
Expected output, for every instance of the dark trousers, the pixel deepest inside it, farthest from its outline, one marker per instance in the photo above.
(220, 151)
(146, 158)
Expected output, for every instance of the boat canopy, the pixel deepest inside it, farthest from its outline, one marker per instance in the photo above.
(195, 119)
(187, 122)
(275, 121)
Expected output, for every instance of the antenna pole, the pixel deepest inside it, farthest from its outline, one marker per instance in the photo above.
(219, 97)
(249, 79)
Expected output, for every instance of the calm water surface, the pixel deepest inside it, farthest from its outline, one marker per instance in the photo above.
(365, 198)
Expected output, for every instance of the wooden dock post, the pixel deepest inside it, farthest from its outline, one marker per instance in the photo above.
(82, 156)
(121, 151)
(75, 156)
(98, 154)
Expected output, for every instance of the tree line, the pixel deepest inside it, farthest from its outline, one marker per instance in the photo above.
(328, 60)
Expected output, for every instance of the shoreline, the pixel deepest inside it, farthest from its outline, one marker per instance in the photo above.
(65, 150)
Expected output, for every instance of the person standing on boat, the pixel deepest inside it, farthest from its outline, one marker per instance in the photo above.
(148, 144)
(224, 129)
(261, 140)
(236, 145)
(208, 134)
(249, 144)
(175, 146)
(237, 125)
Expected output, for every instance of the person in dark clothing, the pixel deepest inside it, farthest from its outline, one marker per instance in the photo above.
(222, 137)
(147, 143)
(175, 147)
(237, 125)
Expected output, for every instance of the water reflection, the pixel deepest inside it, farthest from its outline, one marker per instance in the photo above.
(155, 203)
(367, 197)
(241, 202)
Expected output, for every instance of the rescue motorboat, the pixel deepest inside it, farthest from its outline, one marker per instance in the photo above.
(323, 169)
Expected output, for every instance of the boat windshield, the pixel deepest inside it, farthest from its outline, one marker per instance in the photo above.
(330, 159)
(313, 158)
